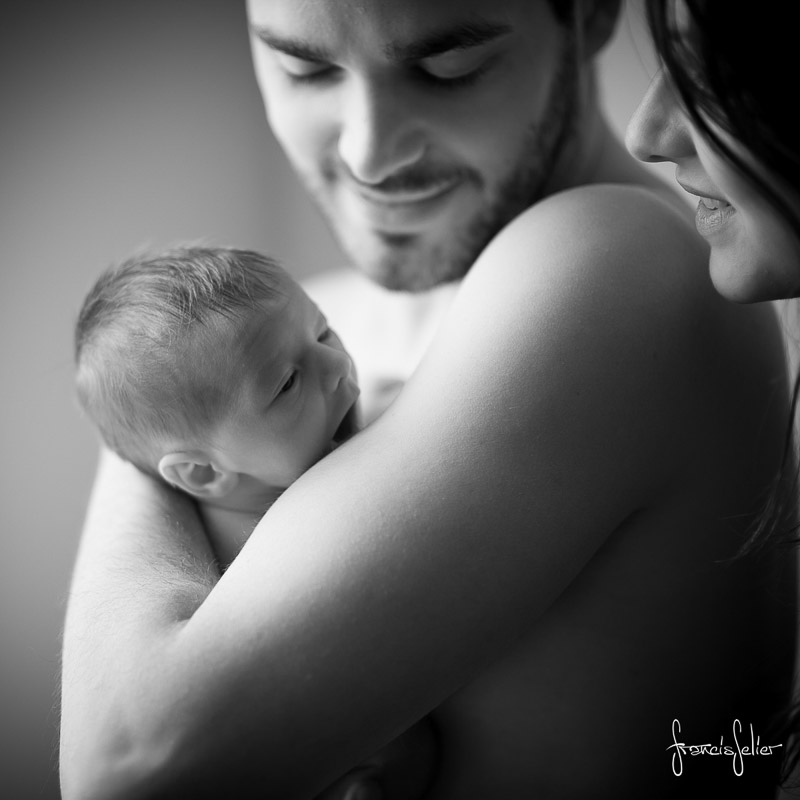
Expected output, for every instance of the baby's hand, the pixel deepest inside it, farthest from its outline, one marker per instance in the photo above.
(353, 785)
(403, 770)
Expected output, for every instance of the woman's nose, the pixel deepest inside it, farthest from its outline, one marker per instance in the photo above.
(379, 136)
(659, 129)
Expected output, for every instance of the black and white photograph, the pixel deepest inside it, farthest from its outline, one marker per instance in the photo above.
(399, 400)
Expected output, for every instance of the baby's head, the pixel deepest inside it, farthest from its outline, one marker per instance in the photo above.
(211, 368)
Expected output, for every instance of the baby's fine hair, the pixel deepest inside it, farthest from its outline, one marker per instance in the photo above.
(152, 343)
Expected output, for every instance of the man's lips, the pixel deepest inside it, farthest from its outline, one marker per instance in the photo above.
(405, 195)
(401, 209)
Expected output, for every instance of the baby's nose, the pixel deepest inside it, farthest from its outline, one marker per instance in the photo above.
(337, 368)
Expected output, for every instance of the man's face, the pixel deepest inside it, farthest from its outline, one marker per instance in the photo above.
(420, 127)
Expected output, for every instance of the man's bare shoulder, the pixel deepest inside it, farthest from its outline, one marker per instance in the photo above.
(622, 258)
(595, 306)
(603, 238)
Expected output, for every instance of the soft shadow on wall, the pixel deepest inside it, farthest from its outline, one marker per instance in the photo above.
(124, 124)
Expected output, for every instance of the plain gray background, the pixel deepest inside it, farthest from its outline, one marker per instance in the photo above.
(123, 124)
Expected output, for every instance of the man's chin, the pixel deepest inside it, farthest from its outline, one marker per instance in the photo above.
(410, 260)
(404, 263)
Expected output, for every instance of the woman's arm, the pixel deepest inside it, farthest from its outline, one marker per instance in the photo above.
(557, 398)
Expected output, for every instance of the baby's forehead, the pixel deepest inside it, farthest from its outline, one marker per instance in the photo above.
(284, 315)
(287, 305)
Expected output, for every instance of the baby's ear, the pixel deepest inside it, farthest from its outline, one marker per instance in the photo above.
(194, 473)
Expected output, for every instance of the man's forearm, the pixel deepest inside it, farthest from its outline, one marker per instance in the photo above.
(144, 566)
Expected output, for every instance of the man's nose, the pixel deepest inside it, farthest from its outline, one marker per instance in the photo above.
(659, 129)
(379, 135)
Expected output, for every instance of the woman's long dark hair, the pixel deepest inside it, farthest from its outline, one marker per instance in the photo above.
(734, 67)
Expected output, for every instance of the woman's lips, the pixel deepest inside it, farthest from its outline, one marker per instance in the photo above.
(712, 215)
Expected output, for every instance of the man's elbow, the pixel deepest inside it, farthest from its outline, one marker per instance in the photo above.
(115, 766)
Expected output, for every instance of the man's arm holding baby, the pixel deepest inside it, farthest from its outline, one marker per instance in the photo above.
(372, 590)
(405, 768)
(171, 581)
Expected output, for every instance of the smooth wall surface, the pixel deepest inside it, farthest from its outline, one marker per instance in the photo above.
(123, 124)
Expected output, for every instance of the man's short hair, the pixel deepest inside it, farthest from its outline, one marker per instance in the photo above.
(149, 366)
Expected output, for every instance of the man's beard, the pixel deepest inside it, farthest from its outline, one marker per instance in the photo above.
(407, 262)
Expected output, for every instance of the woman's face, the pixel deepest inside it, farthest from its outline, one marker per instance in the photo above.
(755, 250)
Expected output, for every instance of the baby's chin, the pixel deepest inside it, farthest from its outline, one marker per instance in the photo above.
(349, 426)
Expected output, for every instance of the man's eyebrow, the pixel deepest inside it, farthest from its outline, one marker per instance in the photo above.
(291, 47)
(458, 37)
